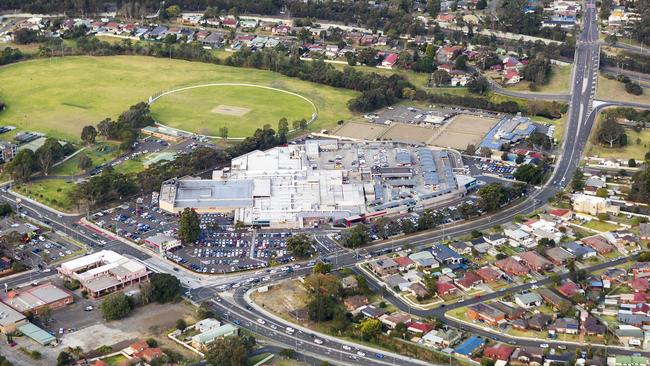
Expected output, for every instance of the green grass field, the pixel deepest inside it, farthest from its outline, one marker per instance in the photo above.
(609, 89)
(632, 150)
(60, 96)
(52, 192)
(559, 82)
(205, 110)
(99, 153)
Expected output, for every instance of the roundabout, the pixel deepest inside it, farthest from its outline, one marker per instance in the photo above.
(241, 108)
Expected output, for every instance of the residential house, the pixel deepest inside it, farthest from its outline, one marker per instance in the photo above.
(390, 60)
(569, 288)
(371, 311)
(623, 240)
(349, 282)
(599, 244)
(398, 282)
(488, 274)
(511, 77)
(445, 289)
(213, 40)
(535, 261)
(468, 281)
(578, 250)
(445, 255)
(404, 263)
(229, 22)
(353, 303)
(639, 285)
(384, 266)
(512, 64)
(565, 326)
(561, 214)
(528, 300)
(441, 338)
(512, 312)
(518, 237)
(391, 320)
(641, 269)
(486, 313)
(591, 326)
(447, 54)
(558, 256)
(629, 335)
(527, 356)
(496, 240)
(418, 290)
(553, 299)
(498, 352)
(512, 267)
(461, 248)
(202, 340)
(419, 328)
(539, 321)
(424, 260)
(7, 151)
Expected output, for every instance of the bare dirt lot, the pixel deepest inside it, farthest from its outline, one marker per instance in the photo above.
(230, 110)
(283, 298)
(462, 130)
(360, 130)
(401, 132)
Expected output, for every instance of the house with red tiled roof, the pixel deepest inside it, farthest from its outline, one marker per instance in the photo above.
(488, 274)
(468, 281)
(511, 63)
(599, 244)
(420, 328)
(640, 284)
(511, 77)
(446, 67)
(138, 346)
(390, 60)
(447, 54)
(404, 263)
(535, 261)
(445, 17)
(230, 22)
(498, 351)
(561, 214)
(569, 288)
(354, 302)
(150, 354)
(446, 288)
(512, 267)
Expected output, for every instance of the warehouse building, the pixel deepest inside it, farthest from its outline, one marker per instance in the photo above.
(34, 299)
(510, 130)
(104, 272)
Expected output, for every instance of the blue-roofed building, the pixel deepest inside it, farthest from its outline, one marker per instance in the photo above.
(509, 130)
(470, 346)
(158, 32)
(403, 157)
(578, 250)
(446, 255)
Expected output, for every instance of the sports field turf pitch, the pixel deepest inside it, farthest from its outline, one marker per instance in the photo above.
(240, 108)
(60, 96)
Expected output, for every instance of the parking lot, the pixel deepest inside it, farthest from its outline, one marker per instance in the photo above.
(497, 168)
(35, 247)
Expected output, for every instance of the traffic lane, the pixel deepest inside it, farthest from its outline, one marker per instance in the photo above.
(299, 340)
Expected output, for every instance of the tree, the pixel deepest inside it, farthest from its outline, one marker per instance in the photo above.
(408, 227)
(356, 236)
(485, 152)
(165, 287)
(529, 173)
(601, 192)
(491, 197)
(440, 77)
(300, 245)
(520, 158)
(370, 328)
(433, 7)
(481, 4)
(461, 63)
(400, 331)
(181, 324)
(283, 130)
(189, 228)
(64, 359)
(223, 132)
(116, 306)
(22, 166)
(429, 220)
(611, 39)
(611, 133)
(578, 181)
(322, 268)
(631, 163)
(431, 283)
(478, 85)
(228, 351)
(45, 314)
(88, 134)
(50, 152)
(633, 88)
(84, 162)
(173, 11)
(408, 93)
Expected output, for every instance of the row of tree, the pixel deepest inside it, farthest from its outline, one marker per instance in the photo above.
(28, 162)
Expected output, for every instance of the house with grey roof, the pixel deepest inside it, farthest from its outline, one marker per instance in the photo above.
(528, 300)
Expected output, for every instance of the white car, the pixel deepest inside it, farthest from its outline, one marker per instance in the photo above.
(318, 341)
(261, 321)
(346, 347)
(273, 326)
(361, 353)
(543, 345)
(289, 330)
